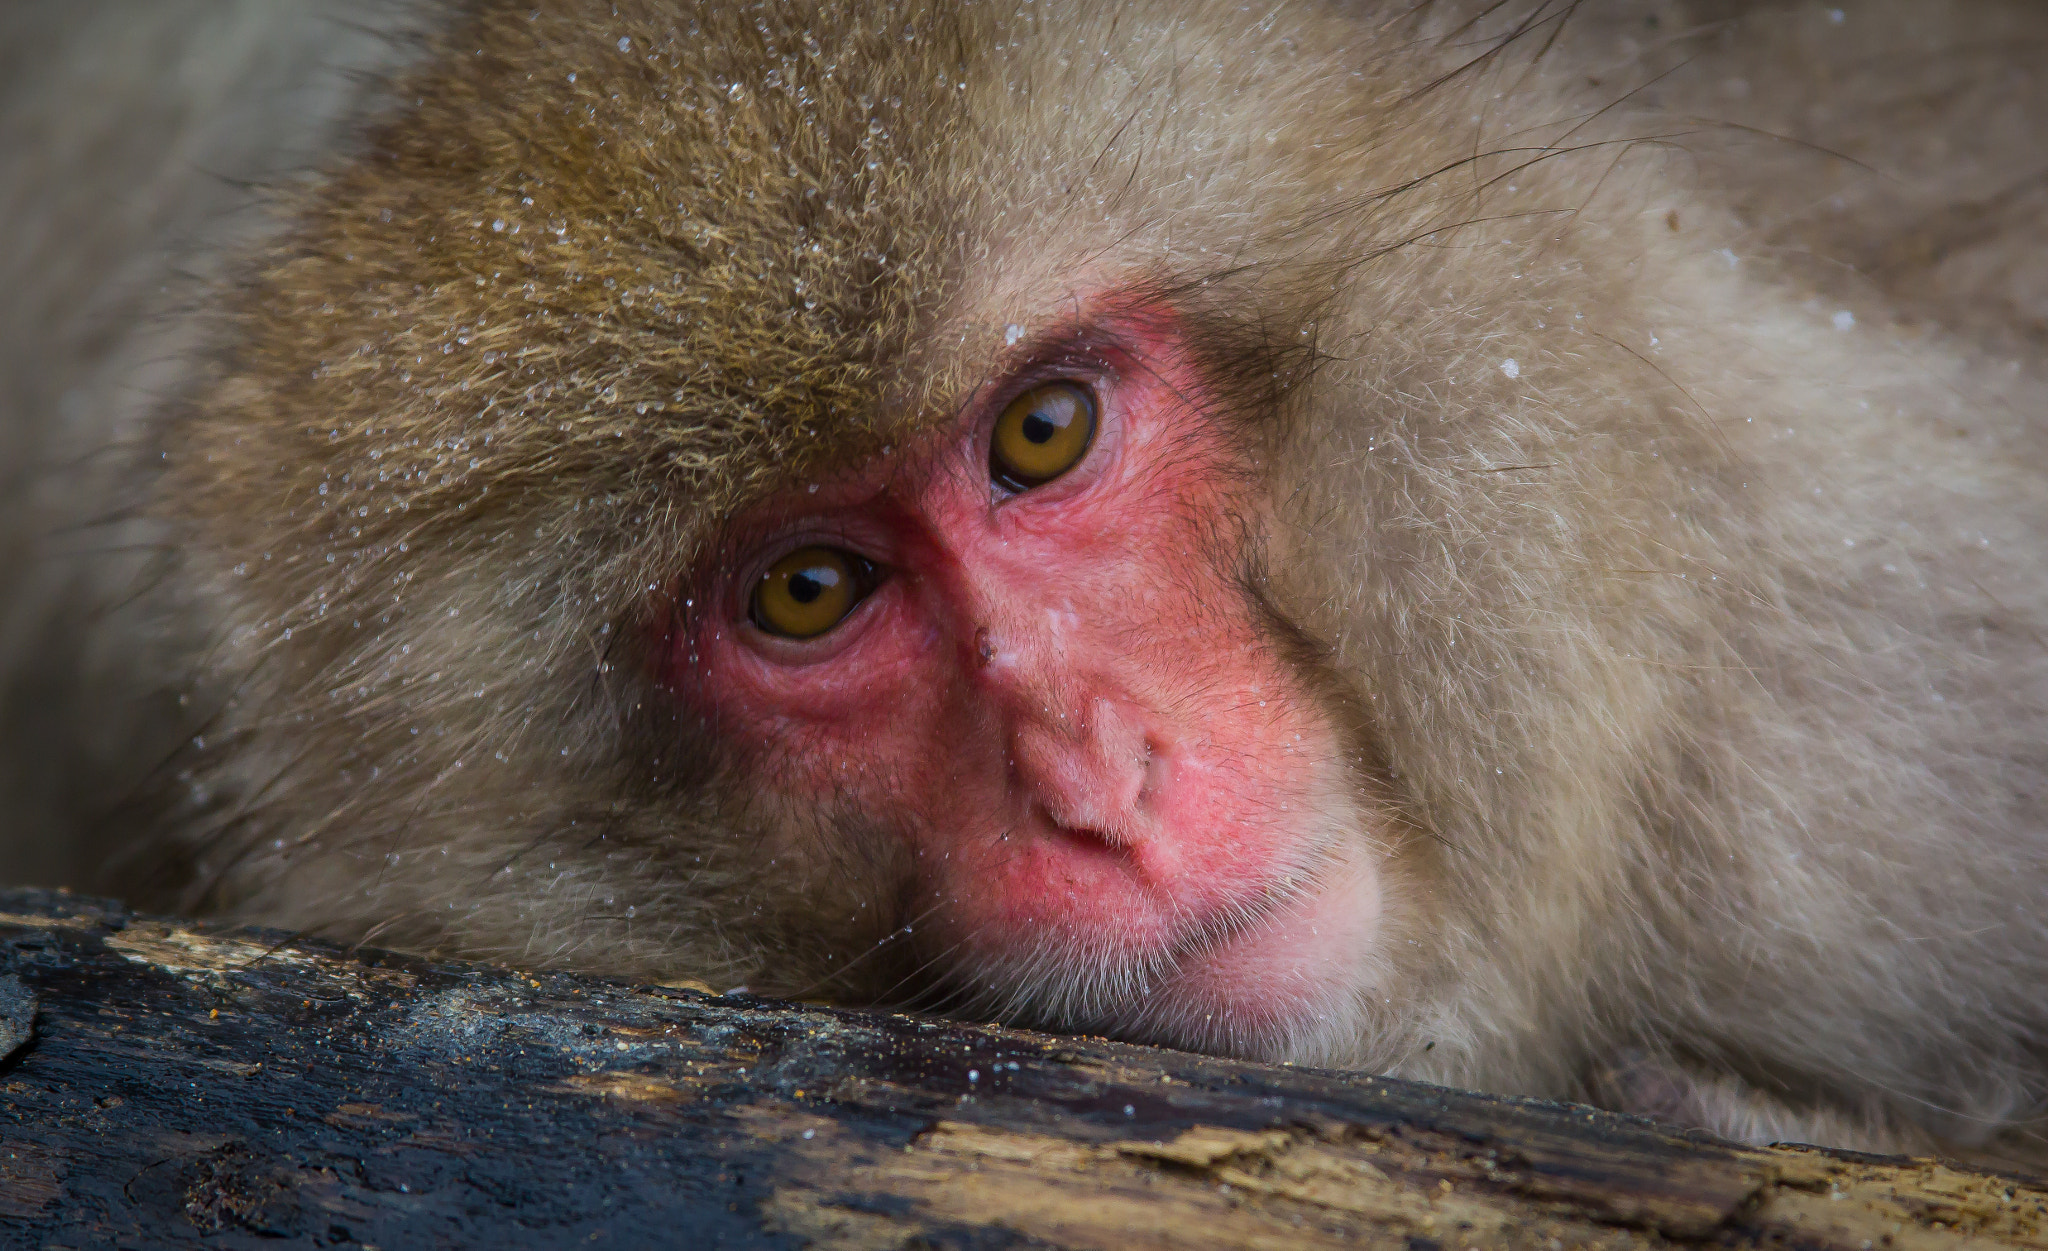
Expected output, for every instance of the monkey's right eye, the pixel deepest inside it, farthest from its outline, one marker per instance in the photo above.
(809, 591)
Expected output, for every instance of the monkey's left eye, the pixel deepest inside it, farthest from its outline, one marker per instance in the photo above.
(1042, 434)
(809, 591)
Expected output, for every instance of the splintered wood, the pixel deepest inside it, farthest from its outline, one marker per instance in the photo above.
(168, 1085)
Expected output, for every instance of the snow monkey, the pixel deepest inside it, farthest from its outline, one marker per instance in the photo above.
(1494, 542)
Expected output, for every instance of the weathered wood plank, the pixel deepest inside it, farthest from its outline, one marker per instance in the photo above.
(228, 1089)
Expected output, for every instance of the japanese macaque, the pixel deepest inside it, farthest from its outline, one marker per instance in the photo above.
(1495, 543)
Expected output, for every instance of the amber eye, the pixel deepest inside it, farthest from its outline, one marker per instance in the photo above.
(809, 591)
(1041, 435)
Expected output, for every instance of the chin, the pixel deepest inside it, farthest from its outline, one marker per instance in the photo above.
(1293, 976)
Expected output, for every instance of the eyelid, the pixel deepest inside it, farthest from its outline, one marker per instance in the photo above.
(759, 567)
(761, 553)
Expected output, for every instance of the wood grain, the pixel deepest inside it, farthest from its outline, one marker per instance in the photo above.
(185, 1087)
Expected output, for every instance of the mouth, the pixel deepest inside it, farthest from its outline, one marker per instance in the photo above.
(1269, 973)
(1086, 839)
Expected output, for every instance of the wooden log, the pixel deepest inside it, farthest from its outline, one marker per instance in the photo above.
(187, 1086)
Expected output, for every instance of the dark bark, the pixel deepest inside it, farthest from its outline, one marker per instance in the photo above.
(183, 1086)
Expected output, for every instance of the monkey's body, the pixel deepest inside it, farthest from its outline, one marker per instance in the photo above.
(1650, 428)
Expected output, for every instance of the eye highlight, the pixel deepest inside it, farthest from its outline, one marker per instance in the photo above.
(809, 591)
(1042, 434)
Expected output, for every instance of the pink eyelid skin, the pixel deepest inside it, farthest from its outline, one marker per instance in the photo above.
(854, 513)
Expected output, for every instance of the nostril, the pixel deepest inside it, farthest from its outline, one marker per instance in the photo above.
(1093, 766)
(1149, 766)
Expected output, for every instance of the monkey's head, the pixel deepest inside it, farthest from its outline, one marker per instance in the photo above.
(813, 496)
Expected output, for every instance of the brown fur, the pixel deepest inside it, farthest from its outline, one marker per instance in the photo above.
(1655, 429)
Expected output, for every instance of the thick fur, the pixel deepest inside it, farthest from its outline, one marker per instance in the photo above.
(1652, 394)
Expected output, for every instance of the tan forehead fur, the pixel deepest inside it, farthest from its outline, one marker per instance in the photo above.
(615, 268)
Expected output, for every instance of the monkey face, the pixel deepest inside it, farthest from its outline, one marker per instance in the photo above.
(1025, 646)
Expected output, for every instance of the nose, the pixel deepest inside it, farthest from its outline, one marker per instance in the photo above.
(1088, 763)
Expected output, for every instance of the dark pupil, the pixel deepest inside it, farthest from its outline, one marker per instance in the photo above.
(810, 584)
(1039, 428)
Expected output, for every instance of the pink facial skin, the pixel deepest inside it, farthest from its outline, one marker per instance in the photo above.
(1118, 795)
